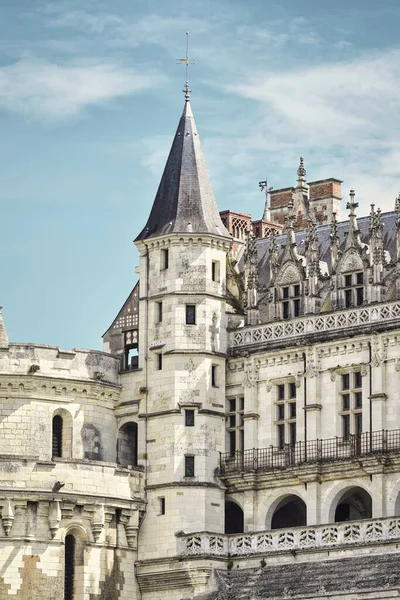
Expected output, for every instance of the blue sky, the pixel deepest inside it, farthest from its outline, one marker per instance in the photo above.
(90, 96)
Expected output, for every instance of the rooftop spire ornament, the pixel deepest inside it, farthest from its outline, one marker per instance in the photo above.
(263, 185)
(301, 171)
(186, 61)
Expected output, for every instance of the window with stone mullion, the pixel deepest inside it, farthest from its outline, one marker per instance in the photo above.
(290, 301)
(286, 413)
(235, 424)
(351, 404)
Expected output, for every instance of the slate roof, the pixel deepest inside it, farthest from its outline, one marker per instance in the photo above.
(323, 233)
(184, 201)
(347, 576)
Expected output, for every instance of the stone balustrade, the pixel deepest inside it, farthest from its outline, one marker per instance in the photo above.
(314, 324)
(323, 537)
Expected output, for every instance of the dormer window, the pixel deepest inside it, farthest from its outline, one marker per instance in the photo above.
(290, 300)
(354, 289)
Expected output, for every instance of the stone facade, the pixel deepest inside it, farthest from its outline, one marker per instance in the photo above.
(240, 435)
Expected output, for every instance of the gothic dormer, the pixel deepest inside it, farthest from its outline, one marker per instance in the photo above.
(290, 276)
(348, 283)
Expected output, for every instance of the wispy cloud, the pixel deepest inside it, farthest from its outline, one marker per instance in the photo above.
(51, 90)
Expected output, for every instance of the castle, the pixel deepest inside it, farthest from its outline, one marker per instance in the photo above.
(239, 437)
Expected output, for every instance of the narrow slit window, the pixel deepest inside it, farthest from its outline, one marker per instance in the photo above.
(214, 375)
(159, 362)
(69, 567)
(162, 506)
(189, 418)
(189, 466)
(159, 312)
(164, 259)
(215, 270)
(57, 436)
(190, 314)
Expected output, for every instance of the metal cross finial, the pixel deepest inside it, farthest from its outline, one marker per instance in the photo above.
(186, 61)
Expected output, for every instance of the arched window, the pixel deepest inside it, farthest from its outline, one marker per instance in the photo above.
(355, 504)
(61, 434)
(69, 567)
(290, 512)
(57, 435)
(127, 448)
(234, 519)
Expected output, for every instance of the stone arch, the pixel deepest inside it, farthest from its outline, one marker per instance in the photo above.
(349, 503)
(61, 433)
(127, 444)
(234, 516)
(274, 500)
(289, 510)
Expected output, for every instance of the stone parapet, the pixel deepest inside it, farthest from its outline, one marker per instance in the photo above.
(322, 537)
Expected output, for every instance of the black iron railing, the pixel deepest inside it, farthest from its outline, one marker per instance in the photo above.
(312, 451)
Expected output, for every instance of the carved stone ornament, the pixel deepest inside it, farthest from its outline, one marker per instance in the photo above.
(351, 261)
(7, 516)
(397, 366)
(54, 517)
(289, 274)
(98, 521)
(268, 386)
(364, 370)
(379, 351)
(333, 375)
(252, 370)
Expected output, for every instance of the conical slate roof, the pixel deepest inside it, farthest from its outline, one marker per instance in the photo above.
(185, 201)
(3, 333)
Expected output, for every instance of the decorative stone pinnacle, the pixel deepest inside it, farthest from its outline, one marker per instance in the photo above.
(352, 205)
(301, 171)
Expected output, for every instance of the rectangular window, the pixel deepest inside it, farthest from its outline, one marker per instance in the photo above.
(189, 466)
(159, 362)
(214, 378)
(286, 313)
(164, 258)
(281, 436)
(162, 506)
(351, 404)
(347, 280)
(286, 414)
(359, 296)
(346, 426)
(285, 292)
(215, 270)
(348, 299)
(159, 312)
(189, 418)
(345, 381)
(296, 308)
(235, 423)
(190, 314)
(292, 434)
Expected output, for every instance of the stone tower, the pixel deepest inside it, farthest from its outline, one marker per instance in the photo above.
(182, 353)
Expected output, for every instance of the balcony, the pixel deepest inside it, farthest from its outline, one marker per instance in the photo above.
(334, 322)
(312, 451)
(321, 537)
